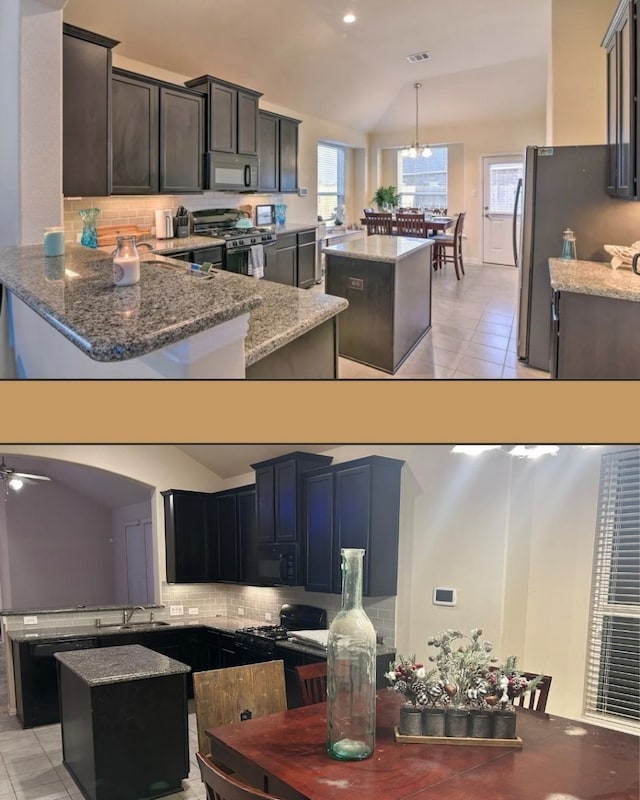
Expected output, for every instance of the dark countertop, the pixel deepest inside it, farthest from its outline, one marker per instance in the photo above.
(298, 647)
(120, 664)
(595, 278)
(111, 323)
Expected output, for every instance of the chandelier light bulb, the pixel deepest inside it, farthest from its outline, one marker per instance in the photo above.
(349, 18)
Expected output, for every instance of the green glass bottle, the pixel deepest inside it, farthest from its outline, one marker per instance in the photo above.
(351, 670)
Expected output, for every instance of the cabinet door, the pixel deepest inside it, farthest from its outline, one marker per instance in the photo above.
(187, 537)
(352, 518)
(181, 141)
(86, 71)
(626, 105)
(286, 266)
(248, 536)
(288, 156)
(286, 501)
(306, 265)
(247, 124)
(612, 116)
(318, 532)
(265, 508)
(135, 136)
(227, 529)
(269, 152)
(223, 110)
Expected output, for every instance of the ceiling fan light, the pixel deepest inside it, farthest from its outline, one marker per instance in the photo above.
(16, 484)
(474, 449)
(534, 451)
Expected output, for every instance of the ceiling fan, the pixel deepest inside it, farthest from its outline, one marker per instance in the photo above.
(15, 480)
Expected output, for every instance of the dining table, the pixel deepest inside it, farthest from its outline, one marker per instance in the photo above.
(560, 759)
(438, 224)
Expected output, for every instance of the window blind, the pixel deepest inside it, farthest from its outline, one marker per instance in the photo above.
(422, 182)
(612, 688)
(330, 179)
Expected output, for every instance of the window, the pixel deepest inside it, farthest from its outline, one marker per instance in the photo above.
(613, 659)
(503, 183)
(330, 180)
(422, 182)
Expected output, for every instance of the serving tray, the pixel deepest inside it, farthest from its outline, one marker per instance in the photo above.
(468, 741)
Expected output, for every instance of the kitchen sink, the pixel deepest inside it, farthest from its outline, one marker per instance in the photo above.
(127, 626)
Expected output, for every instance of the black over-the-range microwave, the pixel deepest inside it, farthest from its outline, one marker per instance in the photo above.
(279, 564)
(229, 172)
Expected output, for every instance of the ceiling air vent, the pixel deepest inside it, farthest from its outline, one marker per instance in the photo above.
(417, 57)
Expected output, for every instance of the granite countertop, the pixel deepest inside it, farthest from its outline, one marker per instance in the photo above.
(595, 278)
(69, 610)
(131, 662)
(75, 294)
(389, 249)
(291, 227)
(285, 314)
(218, 623)
(169, 246)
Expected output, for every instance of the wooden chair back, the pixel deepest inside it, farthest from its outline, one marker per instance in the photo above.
(222, 695)
(312, 682)
(221, 786)
(536, 699)
(457, 231)
(411, 225)
(379, 224)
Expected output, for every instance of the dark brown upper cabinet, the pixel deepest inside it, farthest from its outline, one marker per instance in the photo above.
(623, 83)
(232, 115)
(86, 112)
(353, 504)
(278, 151)
(279, 495)
(158, 136)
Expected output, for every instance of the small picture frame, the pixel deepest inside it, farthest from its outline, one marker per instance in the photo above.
(266, 215)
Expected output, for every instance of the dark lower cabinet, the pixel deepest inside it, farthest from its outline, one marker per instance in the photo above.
(306, 272)
(86, 112)
(36, 680)
(593, 338)
(353, 504)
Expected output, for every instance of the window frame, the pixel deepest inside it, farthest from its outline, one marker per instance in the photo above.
(402, 191)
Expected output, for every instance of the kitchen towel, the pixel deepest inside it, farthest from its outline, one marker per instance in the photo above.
(317, 638)
(256, 261)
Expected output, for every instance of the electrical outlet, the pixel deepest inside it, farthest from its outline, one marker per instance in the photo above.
(267, 616)
(193, 612)
(240, 611)
(176, 611)
(30, 620)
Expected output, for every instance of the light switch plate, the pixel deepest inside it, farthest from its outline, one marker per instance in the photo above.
(240, 611)
(193, 612)
(267, 616)
(30, 620)
(176, 611)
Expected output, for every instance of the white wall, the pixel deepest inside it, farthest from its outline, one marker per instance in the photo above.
(59, 549)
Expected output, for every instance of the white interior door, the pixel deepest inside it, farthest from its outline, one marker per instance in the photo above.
(139, 563)
(500, 182)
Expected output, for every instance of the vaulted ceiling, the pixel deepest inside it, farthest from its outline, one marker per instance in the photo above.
(302, 56)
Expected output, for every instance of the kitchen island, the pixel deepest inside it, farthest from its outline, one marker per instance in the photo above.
(595, 314)
(387, 281)
(68, 320)
(123, 712)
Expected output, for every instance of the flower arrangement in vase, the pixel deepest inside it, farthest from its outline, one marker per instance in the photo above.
(409, 677)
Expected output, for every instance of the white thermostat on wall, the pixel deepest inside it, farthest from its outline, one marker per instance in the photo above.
(443, 596)
(303, 191)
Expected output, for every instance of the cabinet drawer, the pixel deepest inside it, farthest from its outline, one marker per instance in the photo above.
(306, 237)
(286, 240)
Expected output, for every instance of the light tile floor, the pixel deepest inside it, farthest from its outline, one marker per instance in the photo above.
(474, 331)
(31, 764)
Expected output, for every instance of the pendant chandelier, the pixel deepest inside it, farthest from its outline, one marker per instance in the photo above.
(416, 148)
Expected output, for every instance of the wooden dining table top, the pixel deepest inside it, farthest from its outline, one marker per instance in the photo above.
(560, 759)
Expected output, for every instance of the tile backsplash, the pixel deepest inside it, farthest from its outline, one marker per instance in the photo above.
(139, 209)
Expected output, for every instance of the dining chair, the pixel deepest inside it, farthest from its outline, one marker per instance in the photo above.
(230, 695)
(379, 224)
(411, 225)
(536, 699)
(448, 247)
(221, 786)
(312, 682)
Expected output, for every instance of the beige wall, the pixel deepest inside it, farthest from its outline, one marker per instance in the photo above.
(578, 85)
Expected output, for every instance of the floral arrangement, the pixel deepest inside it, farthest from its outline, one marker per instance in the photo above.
(463, 674)
(409, 678)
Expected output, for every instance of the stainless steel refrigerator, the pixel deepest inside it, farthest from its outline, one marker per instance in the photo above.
(564, 187)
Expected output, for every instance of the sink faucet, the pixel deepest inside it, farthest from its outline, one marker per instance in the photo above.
(126, 616)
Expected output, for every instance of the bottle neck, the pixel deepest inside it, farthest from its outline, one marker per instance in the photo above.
(352, 579)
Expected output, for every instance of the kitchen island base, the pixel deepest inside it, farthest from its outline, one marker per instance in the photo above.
(312, 356)
(387, 281)
(124, 739)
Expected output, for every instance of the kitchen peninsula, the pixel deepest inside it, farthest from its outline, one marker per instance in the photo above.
(387, 281)
(70, 321)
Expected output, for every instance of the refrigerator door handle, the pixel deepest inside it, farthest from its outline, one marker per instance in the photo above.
(515, 223)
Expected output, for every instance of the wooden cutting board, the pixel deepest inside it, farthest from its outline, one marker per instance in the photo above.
(107, 234)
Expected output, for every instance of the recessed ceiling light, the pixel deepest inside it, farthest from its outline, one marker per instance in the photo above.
(349, 18)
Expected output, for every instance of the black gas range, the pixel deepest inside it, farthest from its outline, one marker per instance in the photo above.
(260, 640)
(222, 223)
